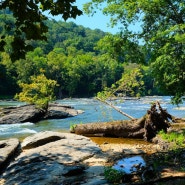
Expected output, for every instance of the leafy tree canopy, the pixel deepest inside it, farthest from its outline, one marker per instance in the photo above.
(39, 92)
(30, 17)
(162, 31)
(130, 84)
(81, 60)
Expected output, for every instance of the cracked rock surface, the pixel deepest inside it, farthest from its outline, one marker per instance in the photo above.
(52, 158)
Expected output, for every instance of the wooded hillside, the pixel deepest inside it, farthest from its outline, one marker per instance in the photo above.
(81, 60)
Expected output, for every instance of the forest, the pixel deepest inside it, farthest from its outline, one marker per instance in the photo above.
(84, 62)
(81, 60)
(42, 59)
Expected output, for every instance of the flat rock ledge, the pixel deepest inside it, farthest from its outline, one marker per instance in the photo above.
(29, 113)
(8, 150)
(56, 158)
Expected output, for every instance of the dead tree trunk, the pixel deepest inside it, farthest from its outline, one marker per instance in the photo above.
(146, 127)
(111, 105)
(127, 129)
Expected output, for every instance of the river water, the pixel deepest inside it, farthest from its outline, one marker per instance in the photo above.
(94, 111)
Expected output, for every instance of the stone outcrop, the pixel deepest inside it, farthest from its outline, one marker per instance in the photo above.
(29, 113)
(54, 158)
(8, 150)
(51, 158)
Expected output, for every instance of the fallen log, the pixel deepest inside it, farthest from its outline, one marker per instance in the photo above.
(146, 127)
(123, 128)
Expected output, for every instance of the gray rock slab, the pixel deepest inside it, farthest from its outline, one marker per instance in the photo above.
(25, 113)
(40, 139)
(29, 113)
(54, 162)
(65, 109)
(7, 150)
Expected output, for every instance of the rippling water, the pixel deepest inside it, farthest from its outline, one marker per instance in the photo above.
(95, 111)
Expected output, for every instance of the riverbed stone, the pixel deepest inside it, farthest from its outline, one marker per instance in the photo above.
(8, 149)
(40, 139)
(49, 158)
(56, 108)
(25, 113)
(53, 162)
(29, 113)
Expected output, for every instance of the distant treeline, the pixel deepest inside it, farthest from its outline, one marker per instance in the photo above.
(81, 60)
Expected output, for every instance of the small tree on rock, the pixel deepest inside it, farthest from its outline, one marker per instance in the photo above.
(39, 92)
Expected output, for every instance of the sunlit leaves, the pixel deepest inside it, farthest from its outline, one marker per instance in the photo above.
(105, 94)
(120, 48)
(39, 92)
(131, 84)
(163, 33)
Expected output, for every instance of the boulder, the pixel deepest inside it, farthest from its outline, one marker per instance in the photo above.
(29, 113)
(52, 158)
(58, 111)
(21, 114)
(40, 139)
(8, 149)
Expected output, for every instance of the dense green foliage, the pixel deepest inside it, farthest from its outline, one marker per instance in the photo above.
(29, 23)
(112, 175)
(175, 138)
(39, 91)
(68, 57)
(131, 82)
(162, 32)
(82, 62)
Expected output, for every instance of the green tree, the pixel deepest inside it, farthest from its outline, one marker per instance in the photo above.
(39, 92)
(120, 48)
(79, 74)
(86, 74)
(130, 84)
(8, 85)
(109, 70)
(150, 87)
(31, 65)
(55, 68)
(162, 32)
(30, 17)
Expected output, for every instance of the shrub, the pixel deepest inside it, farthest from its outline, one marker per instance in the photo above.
(112, 175)
(39, 92)
(176, 137)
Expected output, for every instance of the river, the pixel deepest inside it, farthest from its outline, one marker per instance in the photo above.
(94, 111)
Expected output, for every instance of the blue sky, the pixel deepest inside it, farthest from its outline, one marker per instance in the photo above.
(98, 21)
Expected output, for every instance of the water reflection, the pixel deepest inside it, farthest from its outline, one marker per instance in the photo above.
(129, 165)
(109, 140)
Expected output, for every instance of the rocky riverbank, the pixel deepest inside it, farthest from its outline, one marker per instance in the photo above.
(29, 113)
(51, 158)
(48, 158)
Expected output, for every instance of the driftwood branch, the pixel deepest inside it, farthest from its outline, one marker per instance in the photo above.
(114, 107)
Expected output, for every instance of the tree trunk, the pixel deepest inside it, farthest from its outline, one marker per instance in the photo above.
(146, 127)
(127, 129)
